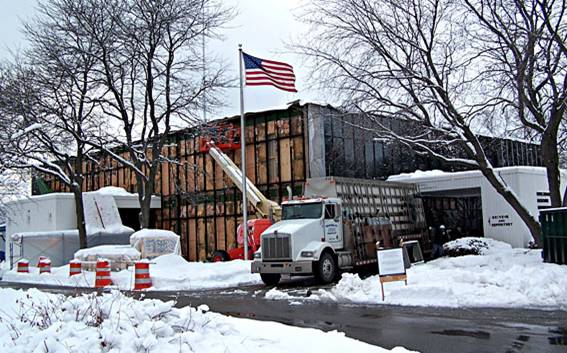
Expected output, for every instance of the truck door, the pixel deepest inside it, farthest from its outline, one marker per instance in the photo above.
(333, 228)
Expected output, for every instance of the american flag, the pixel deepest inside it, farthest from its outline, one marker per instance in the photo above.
(262, 72)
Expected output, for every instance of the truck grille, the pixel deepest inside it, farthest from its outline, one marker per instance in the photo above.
(276, 247)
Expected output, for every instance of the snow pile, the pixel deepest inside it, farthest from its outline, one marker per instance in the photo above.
(120, 256)
(110, 252)
(155, 242)
(168, 272)
(172, 272)
(503, 277)
(474, 246)
(34, 321)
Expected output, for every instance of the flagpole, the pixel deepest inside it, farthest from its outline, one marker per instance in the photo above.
(243, 159)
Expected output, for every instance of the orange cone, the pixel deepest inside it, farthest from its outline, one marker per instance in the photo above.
(23, 266)
(102, 277)
(74, 267)
(44, 265)
(142, 279)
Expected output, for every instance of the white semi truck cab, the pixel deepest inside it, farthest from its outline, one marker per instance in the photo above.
(323, 235)
(311, 230)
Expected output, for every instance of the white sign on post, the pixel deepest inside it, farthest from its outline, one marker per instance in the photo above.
(391, 262)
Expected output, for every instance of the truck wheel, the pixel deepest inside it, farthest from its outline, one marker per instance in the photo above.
(220, 256)
(270, 279)
(326, 268)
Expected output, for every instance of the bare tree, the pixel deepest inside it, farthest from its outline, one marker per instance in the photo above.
(421, 61)
(525, 42)
(48, 105)
(149, 64)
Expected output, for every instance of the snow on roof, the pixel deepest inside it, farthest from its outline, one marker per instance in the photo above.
(553, 209)
(108, 190)
(432, 174)
(114, 191)
(153, 233)
(44, 235)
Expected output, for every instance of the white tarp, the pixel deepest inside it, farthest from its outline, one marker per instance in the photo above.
(155, 242)
(101, 214)
(103, 225)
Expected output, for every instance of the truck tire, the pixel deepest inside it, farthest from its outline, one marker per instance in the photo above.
(220, 256)
(270, 279)
(326, 269)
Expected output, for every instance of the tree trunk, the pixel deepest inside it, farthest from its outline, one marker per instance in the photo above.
(145, 191)
(145, 211)
(533, 226)
(80, 215)
(550, 158)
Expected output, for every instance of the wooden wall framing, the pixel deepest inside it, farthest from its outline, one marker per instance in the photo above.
(199, 201)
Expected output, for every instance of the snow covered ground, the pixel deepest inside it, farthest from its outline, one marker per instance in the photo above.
(501, 277)
(168, 272)
(34, 321)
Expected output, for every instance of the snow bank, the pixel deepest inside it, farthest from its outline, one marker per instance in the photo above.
(168, 272)
(503, 277)
(34, 321)
(172, 272)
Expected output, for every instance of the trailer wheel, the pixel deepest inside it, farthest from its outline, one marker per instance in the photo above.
(326, 268)
(220, 256)
(270, 279)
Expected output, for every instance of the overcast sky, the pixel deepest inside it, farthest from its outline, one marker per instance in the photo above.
(262, 26)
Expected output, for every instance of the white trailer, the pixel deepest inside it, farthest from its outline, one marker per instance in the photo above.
(499, 220)
(47, 224)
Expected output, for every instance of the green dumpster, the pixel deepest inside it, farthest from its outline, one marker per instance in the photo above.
(554, 229)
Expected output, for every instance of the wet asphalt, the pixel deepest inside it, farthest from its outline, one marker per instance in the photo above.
(424, 329)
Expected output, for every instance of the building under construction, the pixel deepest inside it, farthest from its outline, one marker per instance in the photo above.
(284, 147)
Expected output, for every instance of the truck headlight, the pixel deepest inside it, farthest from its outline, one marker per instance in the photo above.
(258, 255)
(307, 254)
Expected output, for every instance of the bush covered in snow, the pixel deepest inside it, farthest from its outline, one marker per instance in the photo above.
(472, 246)
(465, 246)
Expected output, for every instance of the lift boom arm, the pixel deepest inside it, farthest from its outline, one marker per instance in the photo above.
(264, 206)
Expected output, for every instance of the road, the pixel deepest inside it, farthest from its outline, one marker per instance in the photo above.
(423, 329)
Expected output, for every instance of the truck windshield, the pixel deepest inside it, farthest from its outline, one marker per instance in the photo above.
(301, 211)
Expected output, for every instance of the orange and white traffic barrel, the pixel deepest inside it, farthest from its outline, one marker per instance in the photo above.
(40, 259)
(142, 279)
(23, 266)
(74, 267)
(44, 265)
(102, 276)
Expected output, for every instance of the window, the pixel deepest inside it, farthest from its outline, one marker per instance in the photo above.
(301, 211)
(329, 211)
